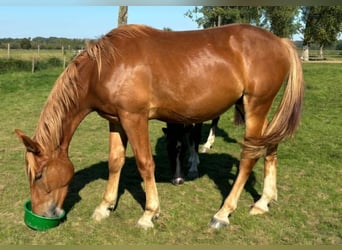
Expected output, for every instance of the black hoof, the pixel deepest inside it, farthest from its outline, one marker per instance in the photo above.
(217, 224)
(192, 175)
(177, 181)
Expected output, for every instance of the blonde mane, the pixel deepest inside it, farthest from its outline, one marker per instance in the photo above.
(60, 101)
(64, 95)
(105, 48)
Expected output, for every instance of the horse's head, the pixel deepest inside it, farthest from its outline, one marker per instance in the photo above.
(49, 176)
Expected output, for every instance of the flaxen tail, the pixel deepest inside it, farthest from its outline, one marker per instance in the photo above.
(288, 113)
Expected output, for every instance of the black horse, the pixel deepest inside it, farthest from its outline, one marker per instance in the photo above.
(181, 137)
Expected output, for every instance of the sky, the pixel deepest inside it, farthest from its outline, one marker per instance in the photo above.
(85, 21)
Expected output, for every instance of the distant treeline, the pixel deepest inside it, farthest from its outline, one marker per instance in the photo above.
(77, 44)
(43, 43)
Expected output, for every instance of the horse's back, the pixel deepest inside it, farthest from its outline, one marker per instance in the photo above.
(192, 76)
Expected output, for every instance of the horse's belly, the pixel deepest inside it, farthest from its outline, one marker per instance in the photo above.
(197, 109)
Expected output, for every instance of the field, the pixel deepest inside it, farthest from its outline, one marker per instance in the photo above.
(308, 211)
(24, 54)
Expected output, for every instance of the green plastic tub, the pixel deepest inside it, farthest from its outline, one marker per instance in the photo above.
(37, 222)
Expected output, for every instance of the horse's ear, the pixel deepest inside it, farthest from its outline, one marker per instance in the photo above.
(31, 145)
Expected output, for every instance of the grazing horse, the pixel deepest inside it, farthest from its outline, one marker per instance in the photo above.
(181, 137)
(136, 73)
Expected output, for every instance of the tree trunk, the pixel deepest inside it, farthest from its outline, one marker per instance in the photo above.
(321, 56)
(305, 54)
(123, 13)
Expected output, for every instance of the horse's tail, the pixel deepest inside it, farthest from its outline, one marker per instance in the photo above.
(239, 112)
(288, 113)
(287, 116)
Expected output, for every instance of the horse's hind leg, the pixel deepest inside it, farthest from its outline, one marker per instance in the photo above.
(270, 176)
(211, 137)
(256, 112)
(117, 151)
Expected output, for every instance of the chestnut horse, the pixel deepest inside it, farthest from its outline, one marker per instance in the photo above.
(136, 73)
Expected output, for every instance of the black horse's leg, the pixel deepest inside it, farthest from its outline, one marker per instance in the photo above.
(194, 140)
(211, 137)
(176, 151)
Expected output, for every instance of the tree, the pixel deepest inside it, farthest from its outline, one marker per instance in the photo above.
(25, 43)
(323, 24)
(212, 16)
(123, 14)
(281, 20)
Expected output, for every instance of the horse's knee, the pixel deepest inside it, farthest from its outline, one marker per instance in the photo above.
(116, 160)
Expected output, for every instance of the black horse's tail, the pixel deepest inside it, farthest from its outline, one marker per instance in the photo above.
(239, 113)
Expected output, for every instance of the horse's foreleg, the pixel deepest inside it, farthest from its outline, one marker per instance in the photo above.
(270, 182)
(117, 151)
(176, 151)
(136, 128)
(193, 141)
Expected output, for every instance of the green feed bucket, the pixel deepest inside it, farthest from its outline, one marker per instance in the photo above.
(37, 222)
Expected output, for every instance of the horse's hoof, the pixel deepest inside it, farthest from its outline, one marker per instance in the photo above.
(100, 214)
(258, 210)
(177, 181)
(218, 224)
(145, 224)
(205, 149)
(192, 175)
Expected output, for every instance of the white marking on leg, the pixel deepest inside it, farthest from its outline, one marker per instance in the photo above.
(269, 192)
(210, 141)
(101, 212)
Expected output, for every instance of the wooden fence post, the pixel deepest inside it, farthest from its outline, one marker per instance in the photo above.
(32, 64)
(8, 50)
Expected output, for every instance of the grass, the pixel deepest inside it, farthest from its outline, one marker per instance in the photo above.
(308, 211)
(25, 60)
(28, 54)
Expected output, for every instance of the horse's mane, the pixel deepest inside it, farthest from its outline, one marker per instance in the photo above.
(64, 94)
(61, 99)
(105, 48)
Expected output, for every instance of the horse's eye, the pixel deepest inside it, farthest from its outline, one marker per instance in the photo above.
(38, 176)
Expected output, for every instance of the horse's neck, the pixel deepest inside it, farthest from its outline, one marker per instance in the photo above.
(63, 111)
(57, 136)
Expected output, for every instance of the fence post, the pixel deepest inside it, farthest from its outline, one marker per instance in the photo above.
(32, 64)
(8, 50)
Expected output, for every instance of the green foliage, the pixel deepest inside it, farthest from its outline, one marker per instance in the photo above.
(43, 43)
(282, 20)
(25, 43)
(220, 15)
(323, 24)
(14, 65)
(279, 19)
(11, 65)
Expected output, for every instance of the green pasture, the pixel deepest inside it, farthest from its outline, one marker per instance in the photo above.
(308, 210)
(28, 54)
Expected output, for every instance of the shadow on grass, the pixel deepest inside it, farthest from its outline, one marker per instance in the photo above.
(220, 168)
